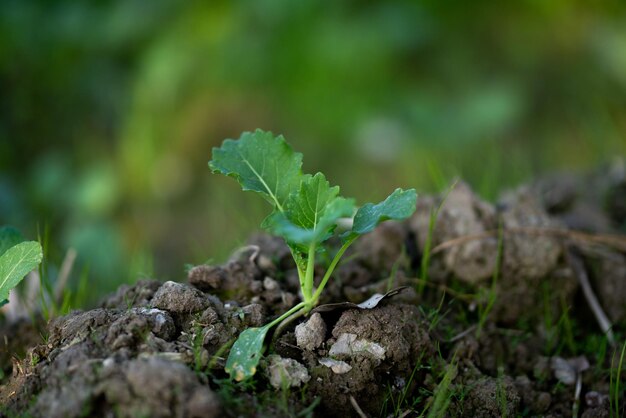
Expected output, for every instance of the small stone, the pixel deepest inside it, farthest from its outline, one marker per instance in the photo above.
(310, 334)
(285, 372)
(161, 321)
(287, 298)
(213, 334)
(265, 263)
(374, 349)
(347, 345)
(179, 298)
(269, 283)
(342, 347)
(542, 402)
(207, 278)
(108, 362)
(209, 316)
(255, 286)
(254, 314)
(595, 399)
(337, 366)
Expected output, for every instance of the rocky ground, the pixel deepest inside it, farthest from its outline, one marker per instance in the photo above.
(494, 318)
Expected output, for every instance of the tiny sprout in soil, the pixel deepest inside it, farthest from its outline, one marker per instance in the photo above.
(305, 214)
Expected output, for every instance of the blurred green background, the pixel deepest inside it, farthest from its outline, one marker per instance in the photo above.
(109, 110)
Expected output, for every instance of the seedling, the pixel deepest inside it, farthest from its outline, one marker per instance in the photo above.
(17, 258)
(305, 213)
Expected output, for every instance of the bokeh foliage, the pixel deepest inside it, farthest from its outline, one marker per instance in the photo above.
(109, 109)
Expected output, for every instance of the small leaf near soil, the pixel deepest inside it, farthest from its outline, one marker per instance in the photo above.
(15, 263)
(245, 354)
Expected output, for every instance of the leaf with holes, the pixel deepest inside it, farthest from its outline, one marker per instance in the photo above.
(246, 353)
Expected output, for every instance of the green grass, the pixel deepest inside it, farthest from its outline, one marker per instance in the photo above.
(435, 316)
(239, 398)
(559, 335)
(56, 299)
(615, 380)
(566, 326)
(402, 400)
(442, 395)
(501, 393)
(484, 310)
(197, 350)
(432, 221)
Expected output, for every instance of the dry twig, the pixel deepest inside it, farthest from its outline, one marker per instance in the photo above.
(581, 274)
(616, 242)
(64, 274)
(357, 408)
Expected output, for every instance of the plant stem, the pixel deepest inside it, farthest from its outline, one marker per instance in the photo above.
(331, 268)
(307, 290)
(300, 272)
(286, 314)
(289, 320)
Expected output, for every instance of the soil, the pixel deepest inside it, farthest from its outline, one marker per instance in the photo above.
(471, 335)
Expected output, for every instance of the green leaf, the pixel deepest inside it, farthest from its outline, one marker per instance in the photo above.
(399, 205)
(311, 213)
(261, 163)
(9, 237)
(246, 353)
(15, 263)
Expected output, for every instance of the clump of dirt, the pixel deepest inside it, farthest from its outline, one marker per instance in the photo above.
(247, 278)
(381, 345)
(15, 339)
(490, 397)
(104, 362)
(478, 335)
(460, 214)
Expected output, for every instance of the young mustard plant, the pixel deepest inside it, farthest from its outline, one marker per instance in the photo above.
(305, 214)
